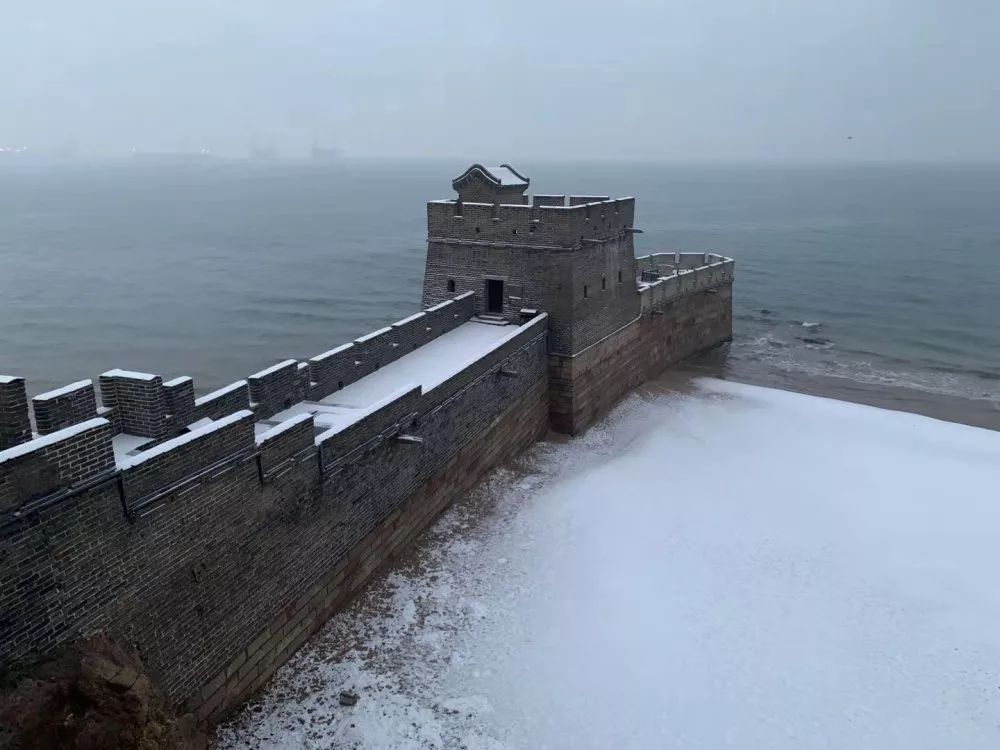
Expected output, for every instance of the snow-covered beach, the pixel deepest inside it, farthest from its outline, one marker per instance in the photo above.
(717, 566)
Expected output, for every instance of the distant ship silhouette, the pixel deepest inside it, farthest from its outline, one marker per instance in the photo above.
(324, 153)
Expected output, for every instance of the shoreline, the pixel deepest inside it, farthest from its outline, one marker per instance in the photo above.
(982, 413)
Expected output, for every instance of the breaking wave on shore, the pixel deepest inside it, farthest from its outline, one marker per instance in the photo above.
(814, 348)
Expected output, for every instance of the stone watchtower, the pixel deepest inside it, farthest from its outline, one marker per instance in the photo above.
(573, 257)
(569, 256)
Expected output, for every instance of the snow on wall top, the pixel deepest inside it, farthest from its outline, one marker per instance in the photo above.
(169, 445)
(273, 368)
(63, 391)
(283, 427)
(221, 392)
(116, 373)
(46, 440)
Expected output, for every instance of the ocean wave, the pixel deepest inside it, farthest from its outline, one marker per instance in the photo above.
(815, 357)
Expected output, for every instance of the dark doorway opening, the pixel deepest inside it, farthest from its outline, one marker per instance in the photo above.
(494, 296)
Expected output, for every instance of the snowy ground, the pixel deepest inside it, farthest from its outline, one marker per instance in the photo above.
(728, 567)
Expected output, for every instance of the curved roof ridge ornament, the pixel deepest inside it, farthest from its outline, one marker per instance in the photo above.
(468, 172)
(508, 166)
(514, 178)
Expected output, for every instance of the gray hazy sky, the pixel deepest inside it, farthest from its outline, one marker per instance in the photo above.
(660, 79)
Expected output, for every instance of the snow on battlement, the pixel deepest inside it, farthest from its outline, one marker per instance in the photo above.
(668, 276)
(157, 432)
(546, 220)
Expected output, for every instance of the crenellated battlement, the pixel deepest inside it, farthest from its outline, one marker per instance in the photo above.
(548, 221)
(40, 470)
(160, 436)
(669, 276)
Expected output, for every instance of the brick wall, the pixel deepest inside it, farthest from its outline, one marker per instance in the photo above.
(546, 254)
(137, 401)
(53, 464)
(179, 394)
(64, 407)
(226, 400)
(519, 427)
(183, 459)
(15, 422)
(583, 387)
(240, 550)
(274, 388)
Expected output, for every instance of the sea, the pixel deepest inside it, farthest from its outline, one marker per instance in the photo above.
(871, 283)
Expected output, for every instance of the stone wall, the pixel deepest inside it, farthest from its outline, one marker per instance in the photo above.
(216, 554)
(15, 420)
(584, 386)
(517, 428)
(565, 259)
(65, 406)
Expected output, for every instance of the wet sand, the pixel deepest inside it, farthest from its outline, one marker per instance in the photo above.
(974, 412)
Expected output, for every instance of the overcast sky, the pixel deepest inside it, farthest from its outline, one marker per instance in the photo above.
(651, 79)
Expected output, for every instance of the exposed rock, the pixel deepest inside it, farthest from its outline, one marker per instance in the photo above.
(347, 698)
(90, 695)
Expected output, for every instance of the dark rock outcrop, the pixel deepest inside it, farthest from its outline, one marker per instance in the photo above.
(90, 695)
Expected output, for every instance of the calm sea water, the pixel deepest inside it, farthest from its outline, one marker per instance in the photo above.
(885, 275)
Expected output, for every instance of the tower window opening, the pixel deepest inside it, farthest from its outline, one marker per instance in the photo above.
(585, 291)
(604, 283)
(451, 285)
(619, 277)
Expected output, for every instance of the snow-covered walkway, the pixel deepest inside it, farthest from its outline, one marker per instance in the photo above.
(732, 567)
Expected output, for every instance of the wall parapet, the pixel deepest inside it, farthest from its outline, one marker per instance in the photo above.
(36, 470)
(63, 407)
(156, 419)
(15, 420)
(534, 328)
(273, 388)
(680, 274)
(336, 445)
(225, 400)
(548, 221)
(284, 445)
(339, 367)
(179, 462)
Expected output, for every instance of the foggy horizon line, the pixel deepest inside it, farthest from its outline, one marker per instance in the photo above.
(204, 157)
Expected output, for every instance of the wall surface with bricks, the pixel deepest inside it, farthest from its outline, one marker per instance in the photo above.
(15, 420)
(572, 257)
(585, 386)
(195, 548)
(65, 406)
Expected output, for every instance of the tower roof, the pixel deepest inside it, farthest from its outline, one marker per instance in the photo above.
(503, 176)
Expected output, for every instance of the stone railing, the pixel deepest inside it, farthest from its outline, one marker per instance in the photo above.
(680, 274)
